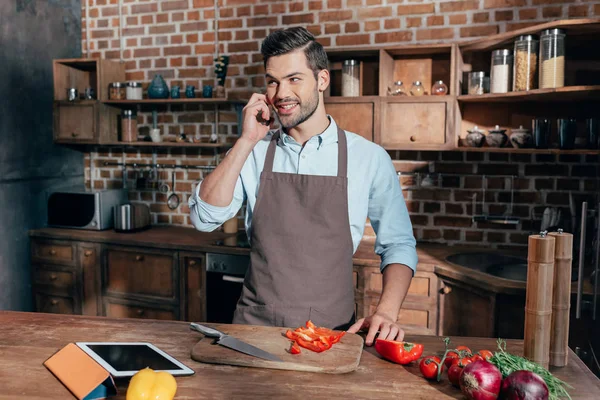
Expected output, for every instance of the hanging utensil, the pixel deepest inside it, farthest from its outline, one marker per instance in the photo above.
(173, 200)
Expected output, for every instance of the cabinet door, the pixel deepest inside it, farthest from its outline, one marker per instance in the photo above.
(360, 117)
(89, 264)
(54, 251)
(120, 309)
(54, 279)
(75, 123)
(193, 286)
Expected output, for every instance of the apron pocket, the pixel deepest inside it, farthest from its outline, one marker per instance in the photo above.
(254, 315)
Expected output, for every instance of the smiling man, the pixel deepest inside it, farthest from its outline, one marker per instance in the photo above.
(309, 187)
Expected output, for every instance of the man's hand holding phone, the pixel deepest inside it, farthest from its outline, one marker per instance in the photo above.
(257, 117)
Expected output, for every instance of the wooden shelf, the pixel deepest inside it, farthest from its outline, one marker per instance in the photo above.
(166, 144)
(396, 99)
(563, 94)
(164, 102)
(526, 151)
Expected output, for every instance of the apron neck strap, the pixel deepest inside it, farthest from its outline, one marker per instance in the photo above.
(342, 153)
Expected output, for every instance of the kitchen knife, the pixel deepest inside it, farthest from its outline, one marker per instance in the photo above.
(233, 343)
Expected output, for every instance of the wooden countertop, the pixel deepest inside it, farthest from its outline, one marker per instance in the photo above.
(173, 237)
(28, 339)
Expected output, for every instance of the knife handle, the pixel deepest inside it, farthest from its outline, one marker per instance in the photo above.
(206, 331)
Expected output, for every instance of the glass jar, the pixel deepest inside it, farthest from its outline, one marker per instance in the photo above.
(397, 89)
(439, 89)
(134, 91)
(501, 74)
(477, 82)
(417, 89)
(525, 63)
(350, 78)
(552, 58)
(116, 91)
(128, 126)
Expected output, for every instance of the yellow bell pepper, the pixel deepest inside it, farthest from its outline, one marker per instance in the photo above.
(148, 384)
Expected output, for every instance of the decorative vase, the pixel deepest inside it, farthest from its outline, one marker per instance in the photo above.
(158, 88)
(496, 137)
(175, 92)
(475, 137)
(190, 91)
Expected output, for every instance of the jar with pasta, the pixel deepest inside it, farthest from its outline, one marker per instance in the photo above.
(350, 78)
(525, 63)
(552, 58)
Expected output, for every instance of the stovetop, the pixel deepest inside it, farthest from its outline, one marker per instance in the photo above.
(239, 240)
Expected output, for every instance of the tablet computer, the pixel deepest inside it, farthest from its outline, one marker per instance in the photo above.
(126, 359)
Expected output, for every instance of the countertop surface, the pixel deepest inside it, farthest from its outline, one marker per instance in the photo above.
(28, 339)
(189, 239)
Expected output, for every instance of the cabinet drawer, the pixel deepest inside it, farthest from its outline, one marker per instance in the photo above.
(54, 304)
(356, 117)
(54, 279)
(75, 122)
(132, 310)
(57, 252)
(140, 272)
(413, 124)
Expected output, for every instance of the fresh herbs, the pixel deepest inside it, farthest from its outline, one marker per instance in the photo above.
(508, 363)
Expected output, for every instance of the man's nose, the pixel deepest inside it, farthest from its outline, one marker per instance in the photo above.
(283, 91)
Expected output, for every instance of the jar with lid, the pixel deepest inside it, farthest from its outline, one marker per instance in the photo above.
(439, 88)
(350, 78)
(417, 89)
(116, 91)
(134, 91)
(397, 89)
(525, 63)
(552, 58)
(478, 84)
(128, 125)
(501, 75)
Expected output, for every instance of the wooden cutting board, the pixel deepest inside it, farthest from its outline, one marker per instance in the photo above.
(341, 358)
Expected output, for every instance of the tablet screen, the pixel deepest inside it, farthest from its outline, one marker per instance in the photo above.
(132, 357)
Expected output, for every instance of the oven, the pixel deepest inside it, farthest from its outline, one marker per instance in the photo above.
(224, 281)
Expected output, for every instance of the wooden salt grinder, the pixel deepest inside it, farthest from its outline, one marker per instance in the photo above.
(538, 298)
(561, 298)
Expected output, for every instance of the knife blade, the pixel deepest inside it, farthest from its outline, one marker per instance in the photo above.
(233, 343)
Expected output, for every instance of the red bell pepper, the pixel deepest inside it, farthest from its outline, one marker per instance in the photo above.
(399, 352)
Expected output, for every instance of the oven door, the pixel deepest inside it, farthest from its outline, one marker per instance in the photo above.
(224, 282)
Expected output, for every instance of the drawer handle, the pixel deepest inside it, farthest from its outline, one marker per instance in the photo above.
(53, 277)
(446, 290)
(139, 312)
(88, 253)
(413, 138)
(52, 252)
(54, 302)
(192, 263)
(139, 258)
(74, 134)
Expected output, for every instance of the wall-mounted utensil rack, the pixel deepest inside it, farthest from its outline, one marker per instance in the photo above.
(158, 165)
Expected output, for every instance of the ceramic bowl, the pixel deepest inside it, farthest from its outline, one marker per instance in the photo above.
(475, 138)
(496, 137)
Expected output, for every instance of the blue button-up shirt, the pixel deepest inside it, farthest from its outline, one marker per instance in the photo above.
(373, 190)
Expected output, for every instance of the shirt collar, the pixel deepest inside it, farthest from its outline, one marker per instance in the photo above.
(328, 136)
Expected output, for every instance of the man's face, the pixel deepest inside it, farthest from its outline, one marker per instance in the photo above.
(292, 88)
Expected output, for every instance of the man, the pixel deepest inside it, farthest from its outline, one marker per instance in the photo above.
(309, 188)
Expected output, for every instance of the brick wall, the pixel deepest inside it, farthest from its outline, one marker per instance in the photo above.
(176, 39)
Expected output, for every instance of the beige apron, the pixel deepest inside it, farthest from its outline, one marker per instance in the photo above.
(301, 255)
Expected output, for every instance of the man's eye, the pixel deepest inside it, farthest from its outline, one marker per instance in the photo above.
(295, 79)
(271, 83)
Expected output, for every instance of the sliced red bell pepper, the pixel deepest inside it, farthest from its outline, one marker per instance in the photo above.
(399, 352)
(295, 349)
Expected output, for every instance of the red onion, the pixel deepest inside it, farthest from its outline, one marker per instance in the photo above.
(480, 380)
(524, 385)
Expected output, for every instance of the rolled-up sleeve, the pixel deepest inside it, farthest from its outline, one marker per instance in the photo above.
(395, 242)
(207, 217)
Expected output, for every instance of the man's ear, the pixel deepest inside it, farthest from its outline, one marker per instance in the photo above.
(323, 80)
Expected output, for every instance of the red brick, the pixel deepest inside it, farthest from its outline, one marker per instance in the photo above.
(192, 38)
(262, 21)
(435, 20)
(161, 29)
(431, 234)
(504, 15)
(332, 28)
(193, 26)
(528, 13)
(131, 32)
(238, 59)
(504, 3)
(350, 40)
(113, 55)
(259, 33)
(457, 19)
(110, 11)
(374, 2)
(94, 12)
(177, 50)
(597, 9)
(131, 20)
(372, 26)
(374, 12)
(297, 19)
(335, 16)
(541, 2)
(416, 9)
(435, 34)
(162, 18)
(475, 31)
(145, 63)
(147, 19)
(391, 24)
(146, 52)
(177, 17)
(203, 3)
(314, 29)
(133, 42)
(439, 220)
(296, 6)
(105, 33)
(278, 9)
(103, 44)
(351, 27)
(520, 25)
(193, 15)
(552, 12)
(191, 62)
(242, 47)
(413, 22)
(237, 2)
(102, 23)
(230, 24)
(334, 4)
(262, 9)
(391, 37)
(225, 36)
(144, 8)
(176, 62)
(174, 5)
(463, 5)
(241, 35)
(204, 48)
(192, 73)
(578, 11)
(315, 5)
(160, 63)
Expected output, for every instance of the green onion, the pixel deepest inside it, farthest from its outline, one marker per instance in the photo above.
(508, 363)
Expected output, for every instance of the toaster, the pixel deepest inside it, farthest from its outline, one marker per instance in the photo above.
(131, 217)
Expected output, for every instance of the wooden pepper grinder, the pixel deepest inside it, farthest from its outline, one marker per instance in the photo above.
(561, 298)
(538, 298)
